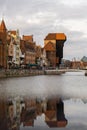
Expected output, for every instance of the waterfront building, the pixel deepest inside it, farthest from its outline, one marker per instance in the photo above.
(10, 46)
(50, 53)
(53, 44)
(29, 48)
(44, 62)
(28, 38)
(78, 64)
(3, 45)
(84, 62)
(38, 55)
(14, 47)
(38, 51)
(22, 54)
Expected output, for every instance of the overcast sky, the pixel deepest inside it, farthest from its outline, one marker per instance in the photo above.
(40, 17)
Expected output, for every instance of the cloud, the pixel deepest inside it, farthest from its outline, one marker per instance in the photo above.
(40, 17)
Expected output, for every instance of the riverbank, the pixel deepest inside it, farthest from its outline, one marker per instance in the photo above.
(25, 73)
(54, 72)
(20, 73)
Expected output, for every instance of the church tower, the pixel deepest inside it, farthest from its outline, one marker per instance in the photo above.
(3, 45)
(3, 27)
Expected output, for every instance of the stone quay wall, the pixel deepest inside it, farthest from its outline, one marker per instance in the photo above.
(25, 72)
(19, 73)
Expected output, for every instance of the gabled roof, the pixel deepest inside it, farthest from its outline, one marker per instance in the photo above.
(3, 26)
(12, 32)
(50, 114)
(51, 36)
(28, 37)
(49, 46)
(60, 36)
(55, 36)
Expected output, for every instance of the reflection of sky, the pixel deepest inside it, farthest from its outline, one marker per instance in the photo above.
(40, 121)
(75, 113)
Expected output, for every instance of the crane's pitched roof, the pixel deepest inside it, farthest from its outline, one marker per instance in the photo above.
(55, 36)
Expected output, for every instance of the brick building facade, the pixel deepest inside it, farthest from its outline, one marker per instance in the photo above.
(53, 44)
(3, 45)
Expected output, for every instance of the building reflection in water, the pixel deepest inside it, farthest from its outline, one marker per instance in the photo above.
(54, 114)
(17, 111)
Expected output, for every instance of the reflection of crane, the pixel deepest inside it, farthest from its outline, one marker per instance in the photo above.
(54, 115)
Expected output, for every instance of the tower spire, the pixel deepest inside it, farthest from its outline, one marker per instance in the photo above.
(3, 26)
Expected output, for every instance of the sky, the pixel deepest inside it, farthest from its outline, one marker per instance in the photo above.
(40, 17)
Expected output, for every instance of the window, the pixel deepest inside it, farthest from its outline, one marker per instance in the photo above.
(0, 41)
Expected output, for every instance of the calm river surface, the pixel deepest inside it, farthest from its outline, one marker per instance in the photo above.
(33, 94)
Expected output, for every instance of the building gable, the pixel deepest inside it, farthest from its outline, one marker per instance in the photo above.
(28, 38)
(55, 36)
(49, 47)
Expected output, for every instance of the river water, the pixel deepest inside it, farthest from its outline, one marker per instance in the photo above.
(34, 93)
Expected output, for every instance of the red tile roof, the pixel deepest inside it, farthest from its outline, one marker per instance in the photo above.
(51, 36)
(50, 114)
(49, 46)
(60, 36)
(3, 26)
(55, 36)
(13, 32)
(28, 38)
